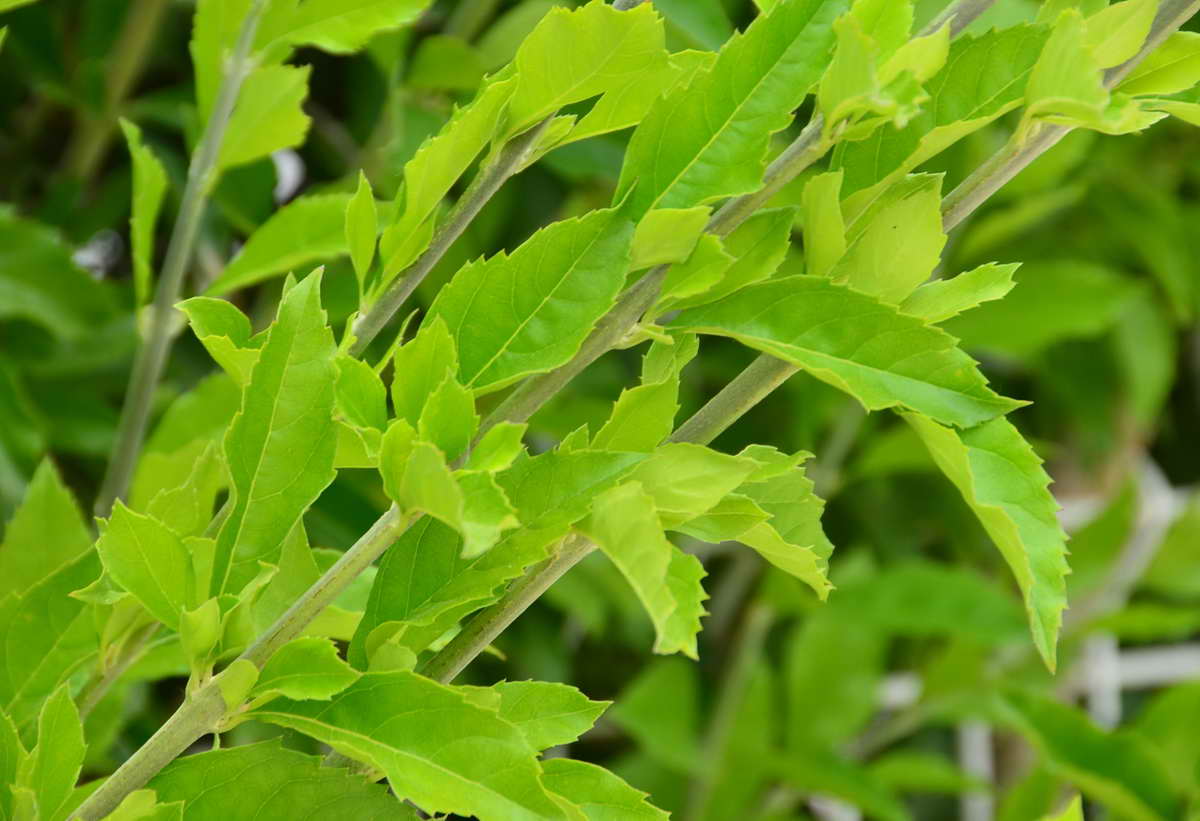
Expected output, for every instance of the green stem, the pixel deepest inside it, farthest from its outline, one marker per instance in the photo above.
(751, 386)
(205, 710)
(91, 138)
(509, 160)
(152, 355)
(469, 18)
(959, 15)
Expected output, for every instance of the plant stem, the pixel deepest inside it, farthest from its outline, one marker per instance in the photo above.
(469, 18)
(751, 386)
(95, 130)
(483, 629)
(152, 355)
(204, 711)
(508, 161)
(959, 15)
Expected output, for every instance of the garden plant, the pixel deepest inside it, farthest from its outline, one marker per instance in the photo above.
(596, 411)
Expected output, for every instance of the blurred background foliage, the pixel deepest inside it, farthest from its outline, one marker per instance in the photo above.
(888, 698)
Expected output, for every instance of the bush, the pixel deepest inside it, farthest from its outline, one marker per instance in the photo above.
(487, 342)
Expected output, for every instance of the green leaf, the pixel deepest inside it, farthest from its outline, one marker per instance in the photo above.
(425, 586)
(276, 783)
(224, 331)
(923, 773)
(438, 749)
(896, 243)
(280, 447)
(444, 61)
(188, 506)
(878, 355)
(53, 766)
(660, 709)
(46, 637)
(984, 77)
(420, 366)
(692, 279)
(150, 561)
(667, 236)
(527, 312)
(1116, 33)
(305, 231)
(268, 115)
(361, 229)
(40, 282)
(361, 396)
(498, 448)
(942, 299)
(624, 523)
(600, 794)
(307, 668)
(436, 166)
(709, 139)
(44, 534)
(1002, 481)
(1052, 301)
(546, 714)
(1120, 770)
(149, 186)
(557, 488)
(576, 54)
(1172, 67)
(12, 758)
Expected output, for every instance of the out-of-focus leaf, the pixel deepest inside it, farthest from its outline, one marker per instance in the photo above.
(149, 186)
(661, 709)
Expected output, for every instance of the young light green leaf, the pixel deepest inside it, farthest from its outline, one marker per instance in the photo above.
(46, 637)
(438, 749)
(361, 396)
(1116, 33)
(45, 533)
(287, 784)
(448, 419)
(1120, 770)
(306, 668)
(693, 278)
(187, 508)
(878, 355)
(149, 186)
(361, 230)
(1172, 67)
(53, 766)
(280, 447)
(941, 299)
(896, 243)
(527, 312)
(1003, 482)
(697, 143)
(224, 331)
(600, 794)
(824, 228)
(498, 447)
(1072, 812)
(547, 714)
(667, 236)
(984, 77)
(142, 805)
(685, 480)
(420, 366)
(576, 54)
(437, 165)
(625, 525)
(12, 758)
(268, 116)
(149, 560)
(303, 232)
(642, 417)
